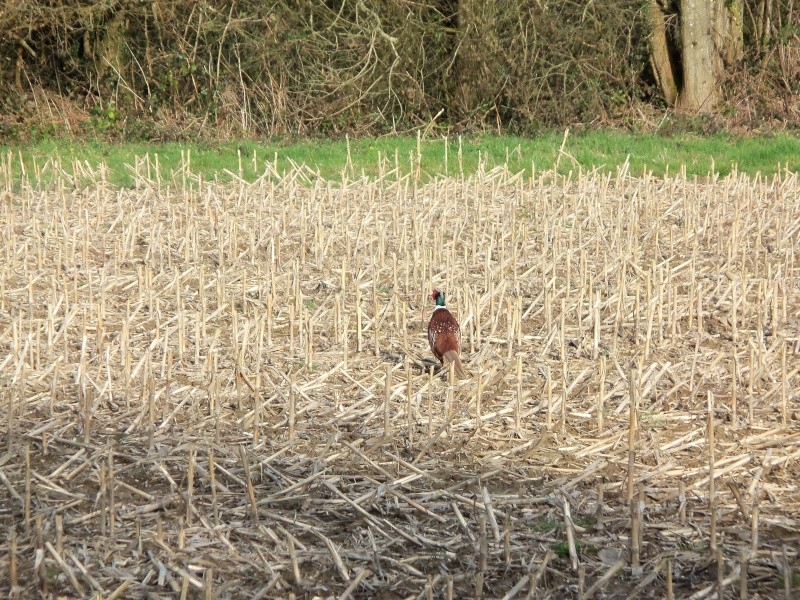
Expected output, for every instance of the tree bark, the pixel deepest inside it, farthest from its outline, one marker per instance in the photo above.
(711, 40)
(468, 59)
(729, 32)
(660, 57)
(477, 79)
(701, 61)
(689, 65)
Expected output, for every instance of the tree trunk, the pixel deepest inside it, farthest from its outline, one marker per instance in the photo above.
(468, 60)
(712, 39)
(661, 61)
(729, 32)
(109, 49)
(701, 61)
(476, 72)
(689, 62)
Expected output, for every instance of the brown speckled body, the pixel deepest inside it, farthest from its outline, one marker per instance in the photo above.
(444, 336)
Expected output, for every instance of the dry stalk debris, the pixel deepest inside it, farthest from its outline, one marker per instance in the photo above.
(225, 389)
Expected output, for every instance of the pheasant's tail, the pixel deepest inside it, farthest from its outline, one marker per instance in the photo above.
(452, 357)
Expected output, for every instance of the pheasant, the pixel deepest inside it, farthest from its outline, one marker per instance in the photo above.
(444, 336)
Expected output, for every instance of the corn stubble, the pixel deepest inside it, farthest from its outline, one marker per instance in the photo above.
(215, 379)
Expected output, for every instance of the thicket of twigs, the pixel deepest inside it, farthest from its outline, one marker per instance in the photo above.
(224, 390)
(180, 68)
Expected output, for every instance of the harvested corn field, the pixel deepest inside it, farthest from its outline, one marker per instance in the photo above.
(225, 390)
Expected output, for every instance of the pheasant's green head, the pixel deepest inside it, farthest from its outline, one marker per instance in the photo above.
(438, 297)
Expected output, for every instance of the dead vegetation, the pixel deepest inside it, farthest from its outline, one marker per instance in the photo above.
(223, 390)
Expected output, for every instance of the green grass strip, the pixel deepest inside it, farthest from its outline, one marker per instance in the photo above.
(602, 150)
